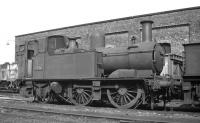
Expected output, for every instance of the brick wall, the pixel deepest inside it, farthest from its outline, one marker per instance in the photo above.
(176, 27)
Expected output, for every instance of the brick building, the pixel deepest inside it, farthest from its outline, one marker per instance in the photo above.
(176, 26)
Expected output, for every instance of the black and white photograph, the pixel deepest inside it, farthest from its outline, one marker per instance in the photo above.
(99, 61)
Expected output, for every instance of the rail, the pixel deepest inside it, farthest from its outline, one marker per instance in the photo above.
(76, 114)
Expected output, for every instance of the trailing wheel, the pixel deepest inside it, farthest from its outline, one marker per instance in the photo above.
(124, 97)
(81, 96)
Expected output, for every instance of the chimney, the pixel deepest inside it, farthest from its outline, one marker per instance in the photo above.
(146, 30)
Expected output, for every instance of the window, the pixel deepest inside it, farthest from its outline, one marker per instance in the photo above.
(21, 48)
(30, 54)
(55, 43)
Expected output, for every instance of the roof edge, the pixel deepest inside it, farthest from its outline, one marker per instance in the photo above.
(111, 20)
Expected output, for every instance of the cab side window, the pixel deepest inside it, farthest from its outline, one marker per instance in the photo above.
(55, 43)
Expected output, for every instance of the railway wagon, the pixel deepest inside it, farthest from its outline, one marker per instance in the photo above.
(191, 77)
(142, 73)
(8, 76)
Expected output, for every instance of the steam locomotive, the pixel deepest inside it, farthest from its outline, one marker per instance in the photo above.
(142, 73)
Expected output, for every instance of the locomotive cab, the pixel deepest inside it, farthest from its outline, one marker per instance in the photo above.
(68, 61)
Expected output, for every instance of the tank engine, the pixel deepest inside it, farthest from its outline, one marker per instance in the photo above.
(124, 76)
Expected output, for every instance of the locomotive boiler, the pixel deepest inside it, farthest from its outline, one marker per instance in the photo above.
(124, 76)
(146, 55)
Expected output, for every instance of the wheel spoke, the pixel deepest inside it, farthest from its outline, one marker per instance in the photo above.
(82, 99)
(86, 94)
(118, 99)
(125, 100)
(132, 91)
(130, 95)
(78, 99)
(85, 98)
(121, 100)
(127, 97)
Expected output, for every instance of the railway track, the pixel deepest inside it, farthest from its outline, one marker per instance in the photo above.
(16, 97)
(96, 114)
(3, 90)
(108, 117)
(13, 97)
(84, 115)
(120, 119)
